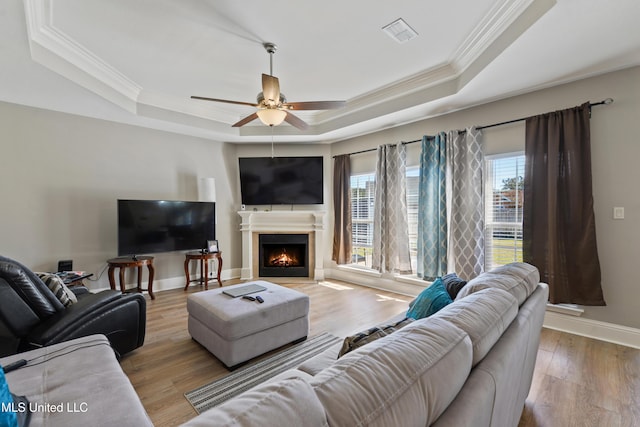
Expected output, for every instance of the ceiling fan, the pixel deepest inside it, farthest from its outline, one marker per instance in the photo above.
(272, 105)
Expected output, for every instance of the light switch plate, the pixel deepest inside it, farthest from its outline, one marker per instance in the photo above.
(618, 213)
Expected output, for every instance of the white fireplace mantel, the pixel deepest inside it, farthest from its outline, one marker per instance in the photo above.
(255, 222)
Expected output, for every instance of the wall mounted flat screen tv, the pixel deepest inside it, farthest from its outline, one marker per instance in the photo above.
(153, 226)
(281, 180)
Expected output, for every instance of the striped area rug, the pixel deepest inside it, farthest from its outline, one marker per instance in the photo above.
(245, 378)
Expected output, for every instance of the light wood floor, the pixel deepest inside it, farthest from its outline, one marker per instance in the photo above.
(583, 382)
(578, 381)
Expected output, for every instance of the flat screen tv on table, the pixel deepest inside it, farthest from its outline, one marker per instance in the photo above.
(281, 180)
(153, 226)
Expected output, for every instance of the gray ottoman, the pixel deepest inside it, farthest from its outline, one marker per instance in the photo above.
(236, 330)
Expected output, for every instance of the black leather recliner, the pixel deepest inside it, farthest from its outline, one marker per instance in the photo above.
(34, 317)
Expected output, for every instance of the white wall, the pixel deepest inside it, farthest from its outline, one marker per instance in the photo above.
(60, 177)
(615, 154)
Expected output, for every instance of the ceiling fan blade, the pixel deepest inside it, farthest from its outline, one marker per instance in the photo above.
(315, 105)
(251, 104)
(296, 121)
(246, 120)
(271, 88)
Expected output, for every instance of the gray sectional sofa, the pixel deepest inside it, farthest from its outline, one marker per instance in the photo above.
(470, 364)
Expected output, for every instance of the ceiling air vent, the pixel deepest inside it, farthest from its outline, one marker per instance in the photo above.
(400, 31)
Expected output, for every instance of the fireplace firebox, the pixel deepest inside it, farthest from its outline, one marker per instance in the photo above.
(283, 255)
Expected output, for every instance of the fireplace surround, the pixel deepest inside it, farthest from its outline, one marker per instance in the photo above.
(307, 223)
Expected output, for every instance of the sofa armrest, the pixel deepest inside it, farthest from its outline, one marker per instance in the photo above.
(121, 317)
(84, 308)
(87, 379)
(78, 290)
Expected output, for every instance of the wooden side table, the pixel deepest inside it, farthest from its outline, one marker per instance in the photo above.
(204, 267)
(126, 262)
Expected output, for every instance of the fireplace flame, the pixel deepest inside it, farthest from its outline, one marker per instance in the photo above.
(283, 260)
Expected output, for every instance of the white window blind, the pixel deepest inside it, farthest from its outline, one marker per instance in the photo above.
(413, 182)
(362, 203)
(362, 198)
(503, 209)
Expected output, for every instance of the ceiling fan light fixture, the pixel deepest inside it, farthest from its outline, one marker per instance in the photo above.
(272, 104)
(271, 116)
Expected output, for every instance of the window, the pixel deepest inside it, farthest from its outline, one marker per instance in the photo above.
(362, 197)
(503, 209)
(413, 182)
(362, 203)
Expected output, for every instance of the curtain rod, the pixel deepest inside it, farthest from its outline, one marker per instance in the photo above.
(591, 104)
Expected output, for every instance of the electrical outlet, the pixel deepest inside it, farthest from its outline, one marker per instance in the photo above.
(618, 213)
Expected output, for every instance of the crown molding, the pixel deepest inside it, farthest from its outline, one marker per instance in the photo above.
(491, 26)
(62, 54)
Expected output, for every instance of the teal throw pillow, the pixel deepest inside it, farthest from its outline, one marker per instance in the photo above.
(430, 301)
(8, 416)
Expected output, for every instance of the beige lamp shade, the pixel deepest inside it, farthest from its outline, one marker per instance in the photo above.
(207, 190)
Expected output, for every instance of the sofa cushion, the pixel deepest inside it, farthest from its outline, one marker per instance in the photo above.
(59, 289)
(429, 301)
(484, 316)
(518, 278)
(352, 342)
(30, 288)
(321, 361)
(289, 402)
(407, 378)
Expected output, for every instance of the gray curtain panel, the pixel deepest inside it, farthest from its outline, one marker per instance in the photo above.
(341, 252)
(465, 202)
(390, 229)
(559, 231)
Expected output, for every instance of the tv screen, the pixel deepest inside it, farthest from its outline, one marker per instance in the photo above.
(152, 226)
(281, 180)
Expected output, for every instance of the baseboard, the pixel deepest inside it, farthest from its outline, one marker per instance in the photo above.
(603, 331)
(178, 282)
(375, 280)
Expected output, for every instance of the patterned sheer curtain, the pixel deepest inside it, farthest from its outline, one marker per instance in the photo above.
(390, 225)
(559, 230)
(465, 202)
(341, 253)
(432, 208)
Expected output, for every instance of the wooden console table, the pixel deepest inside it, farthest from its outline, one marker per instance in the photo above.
(126, 262)
(204, 267)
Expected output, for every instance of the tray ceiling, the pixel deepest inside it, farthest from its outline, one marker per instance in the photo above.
(139, 61)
